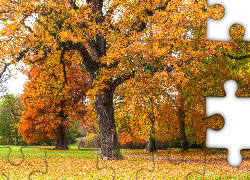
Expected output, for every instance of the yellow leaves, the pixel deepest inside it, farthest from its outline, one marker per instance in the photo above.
(143, 99)
(216, 12)
(66, 35)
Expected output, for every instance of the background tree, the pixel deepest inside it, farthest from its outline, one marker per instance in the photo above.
(11, 110)
(140, 112)
(3, 87)
(198, 67)
(50, 114)
(4, 76)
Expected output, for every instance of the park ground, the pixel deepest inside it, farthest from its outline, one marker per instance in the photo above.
(84, 164)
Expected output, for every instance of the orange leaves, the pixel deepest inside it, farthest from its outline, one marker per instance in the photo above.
(163, 44)
(141, 107)
(216, 12)
(46, 108)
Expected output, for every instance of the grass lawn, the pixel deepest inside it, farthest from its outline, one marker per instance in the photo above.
(82, 164)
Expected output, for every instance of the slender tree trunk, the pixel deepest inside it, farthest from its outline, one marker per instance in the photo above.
(110, 149)
(181, 117)
(150, 143)
(60, 143)
(151, 134)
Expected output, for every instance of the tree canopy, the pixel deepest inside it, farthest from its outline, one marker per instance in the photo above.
(49, 114)
(115, 42)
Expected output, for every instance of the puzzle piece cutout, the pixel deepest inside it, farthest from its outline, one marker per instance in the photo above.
(235, 112)
(11, 162)
(235, 13)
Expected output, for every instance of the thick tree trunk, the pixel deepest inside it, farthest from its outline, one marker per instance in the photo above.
(184, 143)
(104, 102)
(110, 149)
(60, 143)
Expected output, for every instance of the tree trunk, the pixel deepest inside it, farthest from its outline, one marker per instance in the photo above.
(184, 143)
(151, 134)
(110, 149)
(60, 143)
(150, 143)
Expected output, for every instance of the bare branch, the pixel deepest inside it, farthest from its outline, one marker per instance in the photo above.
(73, 4)
(22, 54)
(27, 27)
(4, 69)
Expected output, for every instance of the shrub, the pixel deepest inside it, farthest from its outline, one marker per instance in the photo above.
(90, 141)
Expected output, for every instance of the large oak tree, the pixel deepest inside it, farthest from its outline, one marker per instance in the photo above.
(102, 43)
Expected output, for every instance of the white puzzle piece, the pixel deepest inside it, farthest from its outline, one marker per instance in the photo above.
(236, 12)
(235, 133)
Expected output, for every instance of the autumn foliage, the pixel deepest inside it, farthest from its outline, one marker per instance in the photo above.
(151, 57)
(48, 107)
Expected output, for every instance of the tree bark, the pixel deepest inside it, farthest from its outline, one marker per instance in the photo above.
(150, 143)
(110, 149)
(60, 143)
(103, 101)
(181, 116)
(151, 134)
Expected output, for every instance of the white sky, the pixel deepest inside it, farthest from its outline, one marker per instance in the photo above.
(16, 82)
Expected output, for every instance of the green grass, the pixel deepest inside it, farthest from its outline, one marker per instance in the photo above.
(38, 150)
(81, 164)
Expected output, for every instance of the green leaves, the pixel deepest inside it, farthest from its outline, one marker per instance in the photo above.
(11, 110)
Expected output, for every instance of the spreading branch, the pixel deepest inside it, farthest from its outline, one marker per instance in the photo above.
(120, 80)
(89, 63)
(142, 24)
(45, 55)
(22, 54)
(4, 69)
(113, 65)
(238, 57)
(64, 71)
(73, 5)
